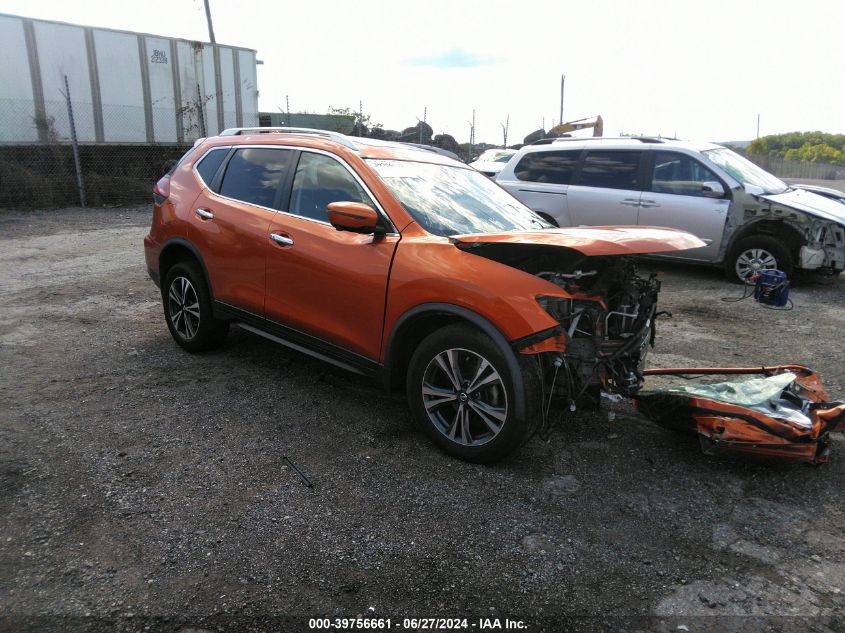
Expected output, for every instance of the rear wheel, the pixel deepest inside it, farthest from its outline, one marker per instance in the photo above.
(461, 392)
(187, 309)
(752, 255)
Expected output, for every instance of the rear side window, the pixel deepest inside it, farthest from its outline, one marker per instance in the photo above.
(210, 163)
(254, 174)
(320, 180)
(611, 169)
(551, 167)
(679, 174)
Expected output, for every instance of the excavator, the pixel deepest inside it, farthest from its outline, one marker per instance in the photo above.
(595, 122)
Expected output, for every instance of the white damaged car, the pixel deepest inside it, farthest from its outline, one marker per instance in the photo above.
(749, 219)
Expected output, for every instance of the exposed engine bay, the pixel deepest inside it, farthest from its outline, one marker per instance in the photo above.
(606, 318)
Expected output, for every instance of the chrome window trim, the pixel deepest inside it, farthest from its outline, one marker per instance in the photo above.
(391, 227)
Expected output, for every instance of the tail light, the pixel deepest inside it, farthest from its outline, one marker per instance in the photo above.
(162, 190)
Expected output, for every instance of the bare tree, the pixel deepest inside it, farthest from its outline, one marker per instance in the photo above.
(505, 130)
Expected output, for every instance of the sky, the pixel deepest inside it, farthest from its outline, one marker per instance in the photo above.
(691, 69)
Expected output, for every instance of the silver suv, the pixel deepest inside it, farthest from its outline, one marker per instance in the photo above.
(749, 219)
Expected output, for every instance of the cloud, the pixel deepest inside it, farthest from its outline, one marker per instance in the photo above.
(453, 58)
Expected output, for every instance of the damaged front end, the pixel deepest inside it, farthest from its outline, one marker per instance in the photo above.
(784, 416)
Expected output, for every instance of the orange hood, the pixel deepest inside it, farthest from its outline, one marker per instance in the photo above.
(592, 240)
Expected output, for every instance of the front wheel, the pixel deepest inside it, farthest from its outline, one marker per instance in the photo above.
(461, 392)
(752, 255)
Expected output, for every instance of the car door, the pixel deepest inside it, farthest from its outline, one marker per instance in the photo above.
(607, 188)
(540, 181)
(680, 194)
(323, 282)
(231, 219)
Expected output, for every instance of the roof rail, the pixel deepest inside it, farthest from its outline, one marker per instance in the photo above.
(647, 139)
(337, 137)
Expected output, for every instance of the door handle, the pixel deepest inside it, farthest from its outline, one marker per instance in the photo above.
(205, 214)
(630, 202)
(648, 203)
(281, 239)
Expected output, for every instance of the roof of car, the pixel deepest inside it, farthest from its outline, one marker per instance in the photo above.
(324, 139)
(622, 142)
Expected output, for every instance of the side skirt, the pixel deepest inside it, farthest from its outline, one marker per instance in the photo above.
(299, 341)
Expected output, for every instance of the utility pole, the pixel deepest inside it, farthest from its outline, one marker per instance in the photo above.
(287, 108)
(505, 130)
(758, 125)
(360, 117)
(562, 82)
(210, 24)
(471, 137)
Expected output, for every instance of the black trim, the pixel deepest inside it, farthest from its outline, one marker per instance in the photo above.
(557, 193)
(180, 241)
(299, 341)
(525, 341)
(155, 277)
(477, 320)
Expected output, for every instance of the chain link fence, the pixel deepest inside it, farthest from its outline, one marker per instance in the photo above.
(54, 159)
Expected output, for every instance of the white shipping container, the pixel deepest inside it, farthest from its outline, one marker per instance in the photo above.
(125, 87)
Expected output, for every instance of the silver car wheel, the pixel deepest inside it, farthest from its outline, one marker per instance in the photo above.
(754, 260)
(183, 307)
(465, 397)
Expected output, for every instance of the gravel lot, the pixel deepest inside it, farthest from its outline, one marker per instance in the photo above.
(142, 488)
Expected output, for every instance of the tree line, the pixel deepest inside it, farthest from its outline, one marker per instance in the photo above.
(805, 147)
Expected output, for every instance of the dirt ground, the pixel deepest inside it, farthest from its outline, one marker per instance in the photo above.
(143, 488)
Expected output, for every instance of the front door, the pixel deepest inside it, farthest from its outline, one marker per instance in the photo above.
(320, 281)
(675, 197)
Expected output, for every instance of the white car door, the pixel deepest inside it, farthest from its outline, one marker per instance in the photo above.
(684, 194)
(606, 190)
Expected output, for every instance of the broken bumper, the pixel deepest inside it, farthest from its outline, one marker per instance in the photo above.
(792, 425)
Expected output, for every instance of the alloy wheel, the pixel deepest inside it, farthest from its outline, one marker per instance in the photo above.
(752, 261)
(183, 307)
(464, 397)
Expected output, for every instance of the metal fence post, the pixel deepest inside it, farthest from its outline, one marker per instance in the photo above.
(80, 185)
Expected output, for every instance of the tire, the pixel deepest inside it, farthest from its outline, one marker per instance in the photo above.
(758, 252)
(195, 329)
(475, 425)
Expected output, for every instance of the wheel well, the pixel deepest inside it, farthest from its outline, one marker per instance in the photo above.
(410, 334)
(173, 255)
(772, 228)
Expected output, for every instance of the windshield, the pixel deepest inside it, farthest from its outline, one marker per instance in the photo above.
(448, 200)
(496, 155)
(745, 171)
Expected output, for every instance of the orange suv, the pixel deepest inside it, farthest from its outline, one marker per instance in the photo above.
(405, 265)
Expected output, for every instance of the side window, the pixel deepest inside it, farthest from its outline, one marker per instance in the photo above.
(551, 167)
(253, 175)
(611, 169)
(320, 180)
(679, 174)
(210, 163)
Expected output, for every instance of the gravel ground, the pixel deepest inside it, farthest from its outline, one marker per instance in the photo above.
(143, 488)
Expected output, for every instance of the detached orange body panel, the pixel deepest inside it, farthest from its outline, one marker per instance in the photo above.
(735, 430)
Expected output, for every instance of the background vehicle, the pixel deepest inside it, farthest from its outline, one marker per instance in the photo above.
(404, 265)
(748, 219)
(596, 123)
(492, 161)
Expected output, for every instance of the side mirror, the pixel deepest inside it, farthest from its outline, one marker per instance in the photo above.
(712, 189)
(353, 216)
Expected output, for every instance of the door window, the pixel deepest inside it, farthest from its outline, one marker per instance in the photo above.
(548, 167)
(679, 174)
(611, 169)
(319, 181)
(254, 174)
(210, 163)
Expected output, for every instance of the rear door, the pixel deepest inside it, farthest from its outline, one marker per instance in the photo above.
(675, 197)
(607, 188)
(231, 218)
(540, 181)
